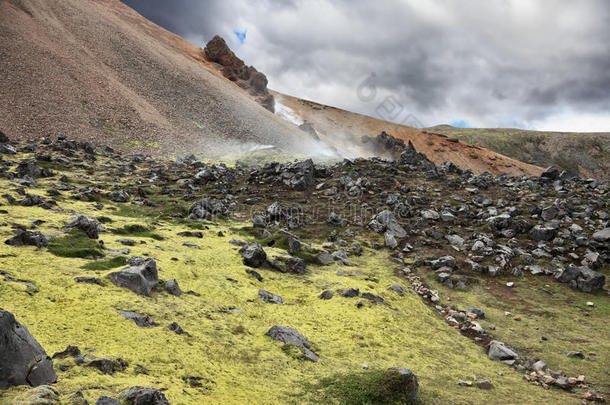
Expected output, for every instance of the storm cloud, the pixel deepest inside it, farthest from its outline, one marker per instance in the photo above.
(504, 63)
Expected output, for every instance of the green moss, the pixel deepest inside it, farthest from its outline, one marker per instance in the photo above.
(105, 264)
(229, 359)
(75, 244)
(358, 388)
(52, 165)
(137, 230)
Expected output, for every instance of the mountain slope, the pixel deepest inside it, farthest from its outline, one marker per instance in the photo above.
(343, 130)
(583, 154)
(97, 70)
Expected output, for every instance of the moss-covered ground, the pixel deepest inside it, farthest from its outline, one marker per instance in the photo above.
(228, 359)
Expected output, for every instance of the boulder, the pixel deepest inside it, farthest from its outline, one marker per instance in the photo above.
(326, 295)
(583, 278)
(296, 265)
(104, 365)
(120, 196)
(542, 233)
(254, 255)
(172, 287)
(7, 149)
(90, 226)
(140, 278)
(386, 222)
(270, 297)
(444, 261)
(299, 175)
(32, 238)
(479, 313)
(335, 220)
(602, 236)
(290, 335)
(590, 280)
(22, 360)
(390, 241)
(398, 289)
(143, 396)
(349, 292)
(31, 169)
(500, 352)
(400, 385)
(208, 208)
(550, 173)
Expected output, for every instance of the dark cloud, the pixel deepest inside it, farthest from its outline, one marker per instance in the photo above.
(491, 63)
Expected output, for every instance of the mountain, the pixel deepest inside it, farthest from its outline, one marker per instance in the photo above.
(343, 131)
(144, 89)
(98, 71)
(582, 154)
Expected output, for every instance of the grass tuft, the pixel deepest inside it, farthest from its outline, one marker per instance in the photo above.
(105, 264)
(137, 230)
(76, 244)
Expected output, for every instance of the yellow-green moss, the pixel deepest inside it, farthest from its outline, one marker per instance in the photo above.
(229, 359)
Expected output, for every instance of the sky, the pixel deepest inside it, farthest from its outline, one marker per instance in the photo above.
(541, 64)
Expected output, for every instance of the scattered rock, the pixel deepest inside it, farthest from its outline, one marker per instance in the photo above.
(476, 313)
(140, 278)
(326, 295)
(500, 352)
(270, 297)
(90, 226)
(171, 286)
(143, 321)
(143, 396)
(401, 385)
(290, 335)
(70, 351)
(174, 327)
(484, 384)
(578, 355)
(32, 238)
(349, 292)
(398, 289)
(253, 254)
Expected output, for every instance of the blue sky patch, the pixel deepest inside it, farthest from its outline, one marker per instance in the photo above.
(240, 35)
(460, 124)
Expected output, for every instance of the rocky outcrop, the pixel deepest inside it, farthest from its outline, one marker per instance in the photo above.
(22, 360)
(384, 145)
(234, 69)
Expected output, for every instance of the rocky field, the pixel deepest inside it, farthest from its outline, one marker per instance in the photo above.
(136, 280)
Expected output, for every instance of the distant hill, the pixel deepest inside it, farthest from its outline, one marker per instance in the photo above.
(343, 130)
(583, 154)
